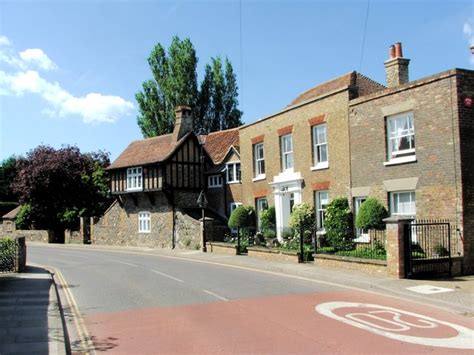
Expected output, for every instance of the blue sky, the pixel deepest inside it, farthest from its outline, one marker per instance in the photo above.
(69, 70)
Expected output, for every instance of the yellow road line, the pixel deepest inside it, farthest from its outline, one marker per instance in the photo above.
(85, 340)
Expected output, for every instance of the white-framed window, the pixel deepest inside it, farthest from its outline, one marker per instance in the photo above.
(362, 235)
(259, 160)
(144, 222)
(322, 200)
(134, 178)
(320, 146)
(262, 204)
(286, 143)
(214, 181)
(401, 137)
(403, 203)
(233, 172)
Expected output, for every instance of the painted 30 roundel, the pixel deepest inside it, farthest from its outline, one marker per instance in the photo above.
(399, 325)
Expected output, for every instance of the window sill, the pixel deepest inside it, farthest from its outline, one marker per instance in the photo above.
(260, 177)
(215, 187)
(233, 182)
(319, 167)
(134, 190)
(395, 161)
(143, 232)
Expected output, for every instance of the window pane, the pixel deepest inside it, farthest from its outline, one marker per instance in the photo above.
(230, 172)
(322, 154)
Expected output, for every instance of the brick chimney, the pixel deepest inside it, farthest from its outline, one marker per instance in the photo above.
(396, 68)
(183, 123)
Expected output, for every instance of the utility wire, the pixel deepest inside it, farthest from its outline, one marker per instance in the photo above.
(365, 32)
(241, 55)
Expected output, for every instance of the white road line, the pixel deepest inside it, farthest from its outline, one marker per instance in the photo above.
(215, 295)
(122, 262)
(166, 275)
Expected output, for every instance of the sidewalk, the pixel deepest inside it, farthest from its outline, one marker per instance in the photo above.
(30, 315)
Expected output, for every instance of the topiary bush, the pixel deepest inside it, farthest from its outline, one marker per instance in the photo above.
(242, 217)
(338, 224)
(7, 254)
(371, 214)
(268, 219)
(302, 216)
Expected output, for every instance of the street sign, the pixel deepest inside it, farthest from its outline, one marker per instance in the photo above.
(202, 200)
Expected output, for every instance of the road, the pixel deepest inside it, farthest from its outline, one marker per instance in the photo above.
(135, 303)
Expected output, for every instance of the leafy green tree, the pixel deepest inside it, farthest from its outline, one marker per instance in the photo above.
(8, 171)
(371, 214)
(175, 83)
(23, 218)
(338, 224)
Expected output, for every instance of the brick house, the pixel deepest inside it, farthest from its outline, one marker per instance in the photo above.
(356, 138)
(302, 154)
(411, 144)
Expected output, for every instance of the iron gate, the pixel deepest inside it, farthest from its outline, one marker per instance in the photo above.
(427, 249)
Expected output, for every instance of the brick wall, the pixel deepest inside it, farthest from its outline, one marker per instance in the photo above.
(465, 88)
(333, 108)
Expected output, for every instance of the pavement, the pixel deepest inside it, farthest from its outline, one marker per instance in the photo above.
(31, 317)
(30, 314)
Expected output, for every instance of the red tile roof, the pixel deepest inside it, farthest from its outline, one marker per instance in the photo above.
(217, 144)
(147, 151)
(353, 78)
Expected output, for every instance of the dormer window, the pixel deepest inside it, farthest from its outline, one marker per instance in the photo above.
(134, 179)
(233, 172)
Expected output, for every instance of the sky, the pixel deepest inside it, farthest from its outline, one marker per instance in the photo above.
(69, 70)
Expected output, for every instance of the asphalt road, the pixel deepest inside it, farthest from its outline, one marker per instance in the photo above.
(137, 303)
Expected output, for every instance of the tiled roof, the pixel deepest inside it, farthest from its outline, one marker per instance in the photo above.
(146, 151)
(217, 144)
(350, 79)
(12, 214)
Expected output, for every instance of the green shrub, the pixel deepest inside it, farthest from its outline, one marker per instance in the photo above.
(268, 219)
(303, 217)
(23, 218)
(242, 217)
(269, 233)
(7, 254)
(338, 224)
(440, 250)
(371, 214)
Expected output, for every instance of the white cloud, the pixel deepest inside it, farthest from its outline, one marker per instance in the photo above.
(37, 57)
(468, 31)
(4, 41)
(19, 79)
(92, 108)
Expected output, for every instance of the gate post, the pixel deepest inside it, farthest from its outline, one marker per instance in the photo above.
(396, 252)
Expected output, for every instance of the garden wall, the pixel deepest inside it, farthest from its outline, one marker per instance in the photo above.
(347, 262)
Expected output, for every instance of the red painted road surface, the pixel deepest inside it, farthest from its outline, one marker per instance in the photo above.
(284, 324)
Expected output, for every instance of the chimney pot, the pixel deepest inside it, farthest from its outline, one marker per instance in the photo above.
(398, 50)
(392, 51)
(183, 123)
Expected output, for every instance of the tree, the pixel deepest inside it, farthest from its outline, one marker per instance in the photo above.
(8, 172)
(338, 224)
(371, 214)
(242, 217)
(175, 83)
(58, 186)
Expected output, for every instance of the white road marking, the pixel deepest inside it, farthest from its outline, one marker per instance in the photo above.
(361, 320)
(215, 295)
(166, 275)
(428, 289)
(122, 262)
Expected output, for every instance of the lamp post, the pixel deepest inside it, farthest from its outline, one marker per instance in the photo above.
(202, 203)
